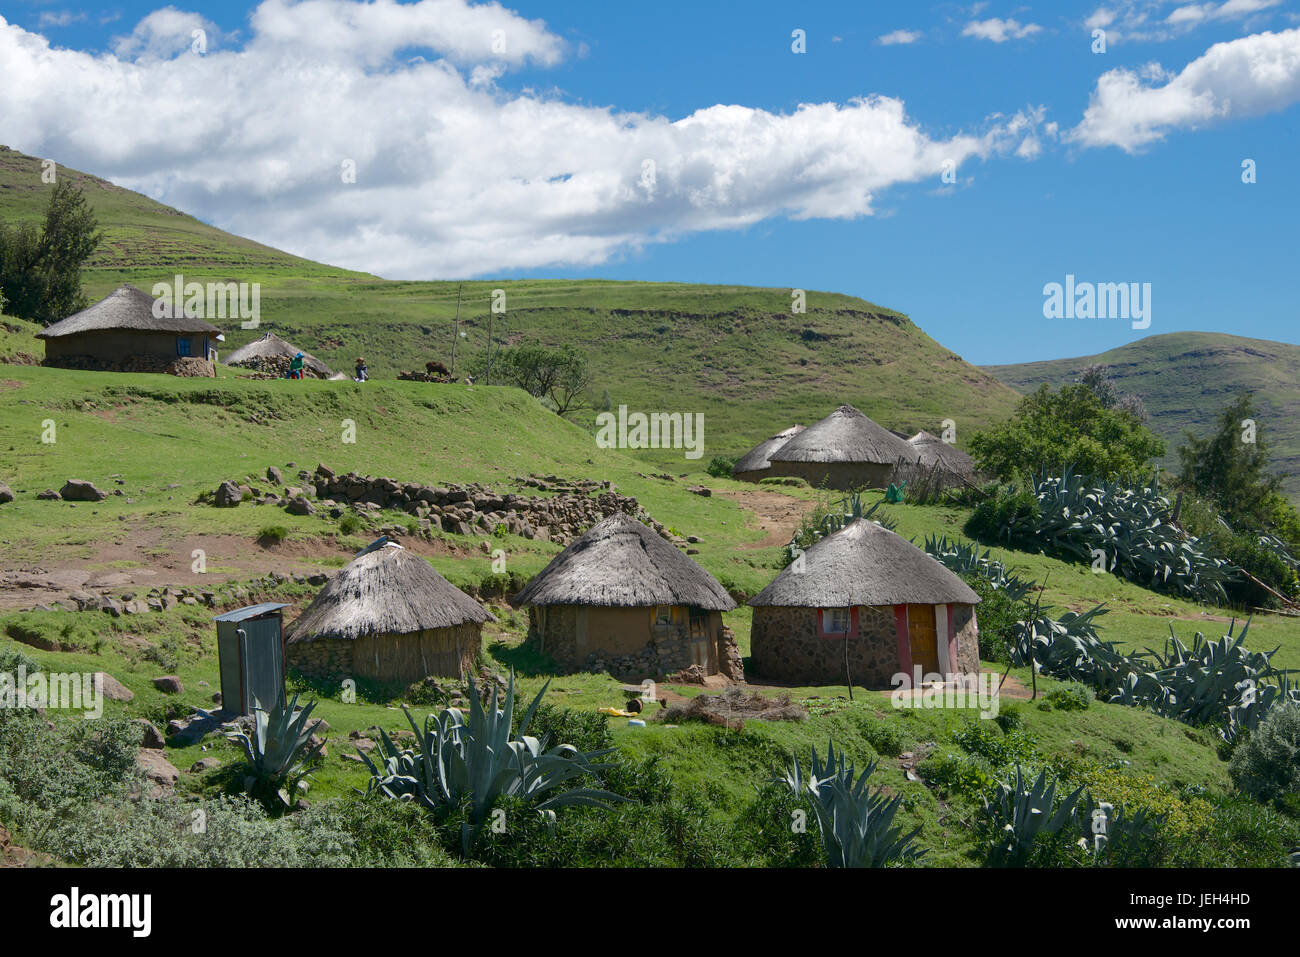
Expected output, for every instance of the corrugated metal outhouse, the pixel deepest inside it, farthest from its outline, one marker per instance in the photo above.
(250, 650)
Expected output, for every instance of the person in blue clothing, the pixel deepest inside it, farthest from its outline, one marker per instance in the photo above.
(362, 373)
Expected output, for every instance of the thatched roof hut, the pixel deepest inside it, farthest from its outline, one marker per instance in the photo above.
(865, 564)
(126, 308)
(121, 333)
(387, 615)
(844, 450)
(622, 563)
(271, 346)
(622, 599)
(891, 606)
(932, 450)
(754, 464)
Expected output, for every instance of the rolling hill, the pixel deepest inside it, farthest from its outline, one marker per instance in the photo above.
(734, 353)
(1185, 378)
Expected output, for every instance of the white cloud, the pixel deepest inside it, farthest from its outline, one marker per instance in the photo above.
(898, 37)
(59, 18)
(165, 33)
(999, 30)
(1152, 21)
(454, 175)
(1245, 77)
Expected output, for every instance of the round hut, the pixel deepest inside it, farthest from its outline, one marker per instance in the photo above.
(932, 451)
(387, 616)
(622, 598)
(754, 464)
(867, 596)
(845, 450)
(268, 353)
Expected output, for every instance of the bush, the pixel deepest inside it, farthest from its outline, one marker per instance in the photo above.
(1007, 506)
(998, 614)
(349, 523)
(720, 466)
(1267, 765)
(957, 774)
(1239, 833)
(273, 534)
(886, 737)
(1070, 697)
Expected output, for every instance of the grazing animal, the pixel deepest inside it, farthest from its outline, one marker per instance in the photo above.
(436, 368)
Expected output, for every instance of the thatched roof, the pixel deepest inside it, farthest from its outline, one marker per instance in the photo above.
(126, 307)
(385, 591)
(846, 435)
(620, 563)
(755, 460)
(932, 449)
(271, 345)
(865, 564)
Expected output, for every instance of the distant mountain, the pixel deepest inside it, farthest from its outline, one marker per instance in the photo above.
(735, 353)
(1185, 378)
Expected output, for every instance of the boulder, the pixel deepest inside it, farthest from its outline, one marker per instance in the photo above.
(301, 506)
(274, 475)
(205, 764)
(150, 737)
(6, 495)
(79, 490)
(156, 767)
(169, 684)
(49, 495)
(227, 495)
(113, 689)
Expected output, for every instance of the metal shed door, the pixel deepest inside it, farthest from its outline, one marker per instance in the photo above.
(263, 662)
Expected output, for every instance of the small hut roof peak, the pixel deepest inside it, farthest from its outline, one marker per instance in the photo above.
(846, 435)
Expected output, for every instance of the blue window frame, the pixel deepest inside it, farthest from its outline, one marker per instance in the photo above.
(182, 346)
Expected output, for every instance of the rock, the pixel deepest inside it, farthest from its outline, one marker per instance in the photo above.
(205, 764)
(192, 729)
(113, 689)
(79, 490)
(49, 495)
(700, 490)
(227, 495)
(156, 767)
(169, 684)
(150, 737)
(6, 495)
(274, 476)
(317, 579)
(300, 506)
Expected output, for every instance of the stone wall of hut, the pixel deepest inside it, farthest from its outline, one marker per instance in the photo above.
(625, 642)
(442, 652)
(784, 645)
(836, 475)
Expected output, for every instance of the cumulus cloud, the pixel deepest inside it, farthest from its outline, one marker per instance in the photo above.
(898, 37)
(165, 33)
(999, 30)
(454, 175)
(59, 18)
(1245, 77)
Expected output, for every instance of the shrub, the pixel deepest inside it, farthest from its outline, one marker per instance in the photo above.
(1266, 765)
(957, 774)
(998, 615)
(273, 534)
(986, 740)
(1072, 696)
(887, 738)
(349, 523)
(1009, 717)
(1007, 507)
(720, 466)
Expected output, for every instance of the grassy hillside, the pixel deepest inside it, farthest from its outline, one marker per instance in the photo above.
(736, 354)
(1185, 378)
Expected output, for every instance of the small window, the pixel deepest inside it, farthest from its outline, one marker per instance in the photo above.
(182, 346)
(664, 615)
(836, 621)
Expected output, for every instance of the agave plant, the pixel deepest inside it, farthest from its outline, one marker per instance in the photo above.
(279, 752)
(844, 512)
(1026, 812)
(856, 825)
(482, 760)
(1069, 649)
(1212, 682)
(965, 558)
(1115, 837)
(1131, 526)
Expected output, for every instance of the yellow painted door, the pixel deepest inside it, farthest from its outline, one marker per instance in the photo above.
(923, 638)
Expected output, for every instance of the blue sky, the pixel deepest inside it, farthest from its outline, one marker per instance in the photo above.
(1122, 166)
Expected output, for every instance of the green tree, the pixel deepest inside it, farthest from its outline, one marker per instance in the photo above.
(561, 376)
(1074, 427)
(40, 269)
(1229, 467)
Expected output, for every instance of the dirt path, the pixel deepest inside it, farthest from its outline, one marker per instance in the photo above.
(776, 514)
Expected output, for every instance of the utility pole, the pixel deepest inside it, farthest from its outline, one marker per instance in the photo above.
(456, 334)
(489, 354)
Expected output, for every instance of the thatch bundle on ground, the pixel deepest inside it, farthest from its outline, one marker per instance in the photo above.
(122, 332)
(844, 450)
(730, 709)
(754, 464)
(623, 598)
(866, 595)
(387, 616)
(272, 355)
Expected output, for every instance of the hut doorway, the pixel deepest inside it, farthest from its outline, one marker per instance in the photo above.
(698, 639)
(923, 638)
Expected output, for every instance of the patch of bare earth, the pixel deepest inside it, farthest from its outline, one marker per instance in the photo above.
(777, 515)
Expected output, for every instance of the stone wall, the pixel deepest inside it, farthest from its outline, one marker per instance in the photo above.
(404, 659)
(785, 646)
(966, 626)
(836, 475)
